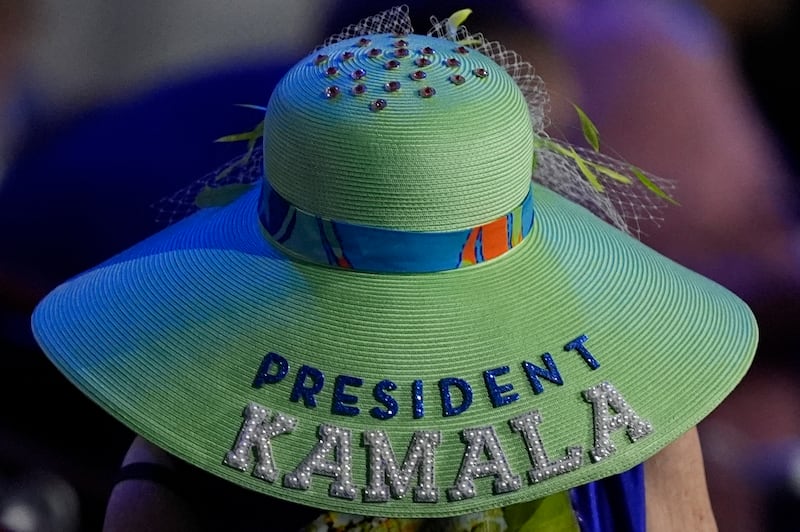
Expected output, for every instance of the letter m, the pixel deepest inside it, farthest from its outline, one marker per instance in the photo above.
(420, 461)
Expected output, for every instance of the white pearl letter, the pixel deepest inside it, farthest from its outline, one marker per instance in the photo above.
(603, 396)
(420, 459)
(543, 468)
(334, 440)
(256, 435)
(479, 441)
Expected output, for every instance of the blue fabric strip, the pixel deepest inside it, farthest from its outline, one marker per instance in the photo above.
(613, 504)
(376, 249)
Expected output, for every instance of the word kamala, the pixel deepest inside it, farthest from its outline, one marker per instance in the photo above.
(385, 476)
(378, 473)
(309, 382)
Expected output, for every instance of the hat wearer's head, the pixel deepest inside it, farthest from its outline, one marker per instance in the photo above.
(395, 320)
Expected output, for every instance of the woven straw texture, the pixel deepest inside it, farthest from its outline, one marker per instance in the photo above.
(168, 337)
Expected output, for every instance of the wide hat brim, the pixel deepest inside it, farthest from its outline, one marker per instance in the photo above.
(169, 337)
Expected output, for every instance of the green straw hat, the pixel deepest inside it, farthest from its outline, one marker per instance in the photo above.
(396, 320)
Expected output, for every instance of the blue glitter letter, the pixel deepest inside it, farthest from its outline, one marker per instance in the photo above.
(263, 376)
(466, 392)
(380, 395)
(496, 391)
(577, 344)
(298, 390)
(534, 372)
(341, 399)
(417, 400)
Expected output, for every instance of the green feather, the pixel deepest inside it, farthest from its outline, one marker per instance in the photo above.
(455, 21)
(583, 165)
(458, 18)
(584, 168)
(236, 137)
(652, 186)
(250, 136)
(590, 132)
(252, 106)
(220, 196)
(616, 176)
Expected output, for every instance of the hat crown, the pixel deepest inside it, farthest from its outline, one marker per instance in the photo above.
(403, 132)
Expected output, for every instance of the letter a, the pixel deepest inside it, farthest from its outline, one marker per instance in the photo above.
(603, 396)
(480, 442)
(333, 441)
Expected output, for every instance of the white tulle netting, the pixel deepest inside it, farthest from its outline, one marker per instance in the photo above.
(395, 20)
(217, 186)
(634, 201)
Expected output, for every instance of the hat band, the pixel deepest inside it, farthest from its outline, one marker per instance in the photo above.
(376, 249)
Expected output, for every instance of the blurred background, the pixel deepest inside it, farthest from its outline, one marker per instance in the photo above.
(107, 106)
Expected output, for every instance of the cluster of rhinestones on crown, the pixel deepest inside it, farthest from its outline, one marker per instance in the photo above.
(397, 66)
(399, 131)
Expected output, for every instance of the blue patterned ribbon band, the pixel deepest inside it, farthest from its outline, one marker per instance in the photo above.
(376, 249)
